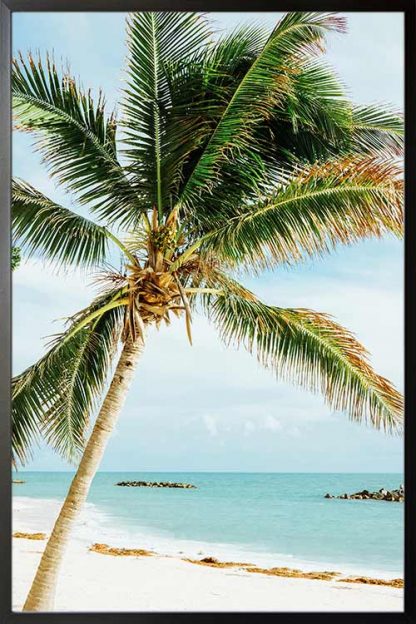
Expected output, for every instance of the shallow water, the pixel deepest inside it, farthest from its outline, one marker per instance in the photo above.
(263, 518)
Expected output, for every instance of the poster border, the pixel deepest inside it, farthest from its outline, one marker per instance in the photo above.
(7, 8)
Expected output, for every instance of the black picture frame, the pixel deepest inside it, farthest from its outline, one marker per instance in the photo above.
(7, 8)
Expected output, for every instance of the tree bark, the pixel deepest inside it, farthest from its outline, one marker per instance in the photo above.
(42, 593)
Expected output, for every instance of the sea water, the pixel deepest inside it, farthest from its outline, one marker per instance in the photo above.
(263, 518)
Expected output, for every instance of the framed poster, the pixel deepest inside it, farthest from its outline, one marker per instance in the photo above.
(207, 215)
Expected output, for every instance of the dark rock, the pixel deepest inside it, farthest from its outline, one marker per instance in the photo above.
(383, 494)
(158, 484)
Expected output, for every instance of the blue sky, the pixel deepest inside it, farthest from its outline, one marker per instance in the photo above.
(216, 408)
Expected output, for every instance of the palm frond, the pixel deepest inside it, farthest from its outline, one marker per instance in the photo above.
(309, 349)
(313, 123)
(56, 233)
(74, 135)
(377, 130)
(200, 90)
(322, 206)
(261, 89)
(155, 40)
(54, 398)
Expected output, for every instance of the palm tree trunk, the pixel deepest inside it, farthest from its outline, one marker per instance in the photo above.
(42, 593)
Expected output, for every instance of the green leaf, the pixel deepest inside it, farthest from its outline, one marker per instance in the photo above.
(323, 205)
(377, 130)
(262, 88)
(15, 258)
(200, 90)
(54, 398)
(313, 122)
(56, 233)
(309, 349)
(155, 40)
(75, 136)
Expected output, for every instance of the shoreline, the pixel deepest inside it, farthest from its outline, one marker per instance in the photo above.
(213, 585)
(98, 525)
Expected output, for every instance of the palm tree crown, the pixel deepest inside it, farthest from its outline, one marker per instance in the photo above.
(232, 153)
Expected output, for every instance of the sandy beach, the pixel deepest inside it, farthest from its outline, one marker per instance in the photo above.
(90, 581)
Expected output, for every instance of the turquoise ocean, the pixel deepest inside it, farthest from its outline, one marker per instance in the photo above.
(262, 518)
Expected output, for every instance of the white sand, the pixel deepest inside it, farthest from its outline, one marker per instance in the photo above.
(94, 582)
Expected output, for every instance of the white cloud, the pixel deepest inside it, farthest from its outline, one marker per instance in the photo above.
(211, 424)
(271, 423)
(248, 427)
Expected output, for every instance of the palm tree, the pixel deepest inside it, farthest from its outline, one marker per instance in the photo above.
(233, 153)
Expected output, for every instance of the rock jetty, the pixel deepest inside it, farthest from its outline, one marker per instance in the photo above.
(396, 496)
(157, 484)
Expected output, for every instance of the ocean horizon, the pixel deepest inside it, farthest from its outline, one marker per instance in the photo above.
(266, 518)
(16, 473)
